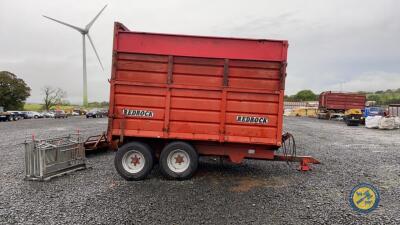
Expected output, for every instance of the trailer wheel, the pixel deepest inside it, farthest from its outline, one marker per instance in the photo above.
(134, 161)
(178, 160)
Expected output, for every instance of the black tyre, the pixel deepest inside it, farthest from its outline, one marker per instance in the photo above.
(134, 161)
(178, 160)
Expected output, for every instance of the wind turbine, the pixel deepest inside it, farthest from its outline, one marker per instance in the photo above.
(84, 31)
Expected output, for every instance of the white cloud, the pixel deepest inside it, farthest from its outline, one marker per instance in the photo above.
(370, 81)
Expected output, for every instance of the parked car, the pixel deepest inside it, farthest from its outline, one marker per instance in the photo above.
(16, 115)
(80, 111)
(373, 111)
(96, 113)
(35, 115)
(49, 114)
(27, 115)
(75, 113)
(9, 116)
(60, 114)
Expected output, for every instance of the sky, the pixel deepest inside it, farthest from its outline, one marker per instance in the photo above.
(339, 45)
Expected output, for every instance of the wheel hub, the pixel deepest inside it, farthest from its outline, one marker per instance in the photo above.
(133, 161)
(178, 161)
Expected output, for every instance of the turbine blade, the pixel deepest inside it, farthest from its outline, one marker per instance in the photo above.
(95, 51)
(94, 19)
(66, 24)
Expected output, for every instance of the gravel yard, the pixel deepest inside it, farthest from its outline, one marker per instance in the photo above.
(256, 192)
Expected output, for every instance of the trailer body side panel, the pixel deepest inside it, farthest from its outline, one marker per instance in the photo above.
(197, 88)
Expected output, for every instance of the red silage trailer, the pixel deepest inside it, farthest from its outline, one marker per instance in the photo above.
(174, 98)
(340, 102)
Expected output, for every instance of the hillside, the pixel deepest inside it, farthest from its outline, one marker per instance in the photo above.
(384, 97)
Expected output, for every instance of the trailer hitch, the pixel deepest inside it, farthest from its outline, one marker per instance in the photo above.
(304, 161)
(289, 153)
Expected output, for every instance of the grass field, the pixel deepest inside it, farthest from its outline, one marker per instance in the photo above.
(39, 107)
(33, 107)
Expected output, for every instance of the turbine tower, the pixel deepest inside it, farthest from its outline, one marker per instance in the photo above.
(84, 31)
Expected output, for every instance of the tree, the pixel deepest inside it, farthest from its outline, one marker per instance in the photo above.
(52, 97)
(13, 91)
(305, 95)
(374, 97)
(290, 98)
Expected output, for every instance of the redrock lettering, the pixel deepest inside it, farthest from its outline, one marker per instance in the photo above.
(138, 113)
(251, 119)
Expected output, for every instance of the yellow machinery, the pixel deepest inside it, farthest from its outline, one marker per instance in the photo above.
(353, 117)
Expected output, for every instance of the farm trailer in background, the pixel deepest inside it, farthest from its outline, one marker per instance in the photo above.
(338, 104)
